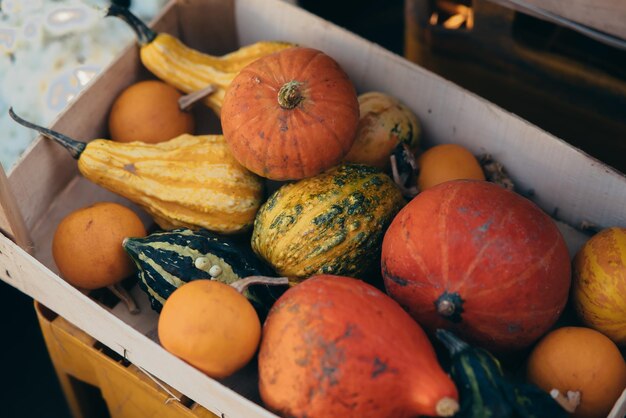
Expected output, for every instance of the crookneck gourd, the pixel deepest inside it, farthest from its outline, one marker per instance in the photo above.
(188, 69)
(166, 260)
(189, 181)
(331, 223)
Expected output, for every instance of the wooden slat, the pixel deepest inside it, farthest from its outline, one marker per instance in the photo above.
(607, 16)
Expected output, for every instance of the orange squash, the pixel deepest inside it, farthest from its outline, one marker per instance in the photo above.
(580, 360)
(447, 162)
(290, 115)
(211, 325)
(480, 260)
(337, 347)
(87, 245)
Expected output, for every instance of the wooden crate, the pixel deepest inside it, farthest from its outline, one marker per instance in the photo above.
(45, 185)
(555, 77)
(98, 382)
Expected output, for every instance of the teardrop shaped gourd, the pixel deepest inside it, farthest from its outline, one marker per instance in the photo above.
(337, 347)
(189, 181)
(472, 257)
(291, 114)
(168, 259)
(187, 69)
(331, 223)
(384, 123)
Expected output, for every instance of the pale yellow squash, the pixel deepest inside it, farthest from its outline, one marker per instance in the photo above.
(599, 283)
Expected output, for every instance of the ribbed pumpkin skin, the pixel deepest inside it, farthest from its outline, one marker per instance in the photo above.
(330, 223)
(290, 143)
(494, 249)
(189, 70)
(599, 283)
(166, 260)
(189, 181)
(336, 347)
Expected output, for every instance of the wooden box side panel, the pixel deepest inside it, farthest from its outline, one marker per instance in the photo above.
(561, 178)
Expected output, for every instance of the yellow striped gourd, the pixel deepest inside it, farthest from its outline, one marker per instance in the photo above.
(189, 181)
(188, 69)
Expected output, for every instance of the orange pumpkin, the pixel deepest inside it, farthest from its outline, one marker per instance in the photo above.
(290, 115)
(337, 347)
(580, 360)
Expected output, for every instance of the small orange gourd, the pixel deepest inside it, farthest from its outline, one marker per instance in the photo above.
(211, 325)
(290, 115)
(87, 245)
(580, 360)
(447, 162)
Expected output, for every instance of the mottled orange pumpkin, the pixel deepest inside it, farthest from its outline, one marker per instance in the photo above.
(291, 114)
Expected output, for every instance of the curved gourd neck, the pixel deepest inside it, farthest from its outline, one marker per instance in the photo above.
(74, 147)
(145, 35)
(242, 285)
(453, 344)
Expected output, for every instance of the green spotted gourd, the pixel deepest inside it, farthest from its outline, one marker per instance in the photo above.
(168, 259)
(332, 223)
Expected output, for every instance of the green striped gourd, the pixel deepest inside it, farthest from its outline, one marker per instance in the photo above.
(485, 392)
(166, 260)
(331, 223)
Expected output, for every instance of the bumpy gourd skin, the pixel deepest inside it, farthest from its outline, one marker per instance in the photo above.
(189, 70)
(189, 181)
(330, 223)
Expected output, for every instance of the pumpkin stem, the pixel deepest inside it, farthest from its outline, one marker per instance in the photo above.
(125, 297)
(569, 402)
(450, 306)
(74, 147)
(242, 285)
(446, 407)
(289, 95)
(145, 35)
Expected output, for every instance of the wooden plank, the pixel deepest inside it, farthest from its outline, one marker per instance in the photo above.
(562, 178)
(11, 220)
(607, 16)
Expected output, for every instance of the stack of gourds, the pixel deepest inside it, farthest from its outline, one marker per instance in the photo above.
(446, 253)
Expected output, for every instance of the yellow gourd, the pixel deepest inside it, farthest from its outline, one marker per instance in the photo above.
(190, 70)
(189, 181)
(599, 283)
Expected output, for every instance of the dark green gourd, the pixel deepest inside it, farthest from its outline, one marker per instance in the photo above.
(485, 392)
(166, 260)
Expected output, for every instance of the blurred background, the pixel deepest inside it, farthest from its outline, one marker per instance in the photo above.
(568, 81)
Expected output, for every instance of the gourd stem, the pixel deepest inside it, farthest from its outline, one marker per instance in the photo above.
(145, 35)
(446, 407)
(242, 285)
(188, 100)
(289, 95)
(74, 147)
(125, 297)
(450, 306)
(453, 344)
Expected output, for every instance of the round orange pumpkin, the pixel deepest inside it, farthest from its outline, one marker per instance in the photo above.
(290, 115)
(470, 256)
(580, 360)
